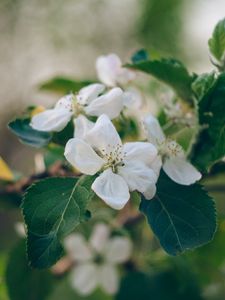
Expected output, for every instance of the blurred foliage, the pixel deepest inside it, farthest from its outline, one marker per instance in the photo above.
(160, 25)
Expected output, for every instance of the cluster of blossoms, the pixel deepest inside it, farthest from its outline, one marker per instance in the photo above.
(97, 149)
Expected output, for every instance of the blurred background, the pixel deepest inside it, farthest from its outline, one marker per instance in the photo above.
(40, 39)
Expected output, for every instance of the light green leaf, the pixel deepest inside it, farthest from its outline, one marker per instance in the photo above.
(62, 85)
(52, 208)
(27, 135)
(202, 84)
(169, 71)
(182, 217)
(210, 146)
(24, 283)
(217, 41)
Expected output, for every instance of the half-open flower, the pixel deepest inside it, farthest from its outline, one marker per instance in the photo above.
(97, 260)
(110, 71)
(90, 101)
(122, 168)
(171, 155)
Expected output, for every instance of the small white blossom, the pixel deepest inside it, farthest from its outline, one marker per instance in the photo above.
(110, 71)
(96, 260)
(171, 155)
(123, 168)
(89, 101)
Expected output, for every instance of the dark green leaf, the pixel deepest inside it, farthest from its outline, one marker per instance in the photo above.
(217, 41)
(9, 200)
(162, 285)
(169, 71)
(24, 283)
(182, 217)
(27, 135)
(140, 55)
(210, 146)
(62, 137)
(52, 208)
(63, 85)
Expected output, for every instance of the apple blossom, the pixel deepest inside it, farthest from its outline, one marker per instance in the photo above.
(171, 154)
(123, 168)
(110, 71)
(89, 101)
(96, 260)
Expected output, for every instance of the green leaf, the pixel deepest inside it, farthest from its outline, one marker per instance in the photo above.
(63, 85)
(24, 283)
(52, 208)
(27, 135)
(182, 217)
(140, 55)
(169, 71)
(162, 285)
(217, 41)
(210, 146)
(202, 84)
(62, 137)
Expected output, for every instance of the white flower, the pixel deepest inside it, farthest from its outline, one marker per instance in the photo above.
(88, 101)
(96, 260)
(123, 168)
(110, 71)
(172, 156)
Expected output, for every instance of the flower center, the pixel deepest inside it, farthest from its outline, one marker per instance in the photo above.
(113, 156)
(170, 148)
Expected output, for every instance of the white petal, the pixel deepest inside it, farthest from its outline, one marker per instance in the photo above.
(140, 151)
(150, 192)
(51, 120)
(124, 76)
(84, 278)
(153, 130)
(112, 189)
(99, 237)
(110, 104)
(103, 136)
(82, 126)
(89, 93)
(80, 155)
(139, 177)
(107, 68)
(156, 165)
(132, 98)
(65, 102)
(181, 171)
(109, 278)
(77, 248)
(118, 250)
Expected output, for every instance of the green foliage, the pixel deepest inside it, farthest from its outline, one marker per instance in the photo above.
(182, 217)
(169, 71)
(27, 135)
(62, 137)
(211, 142)
(202, 84)
(24, 283)
(63, 290)
(52, 208)
(63, 85)
(162, 285)
(217, 41)
(9, 200)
